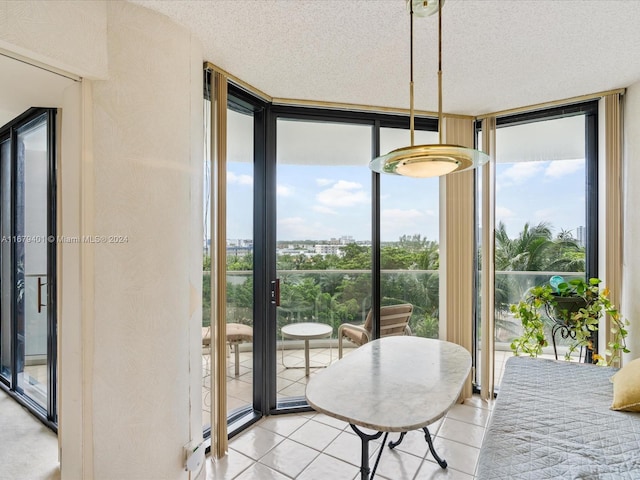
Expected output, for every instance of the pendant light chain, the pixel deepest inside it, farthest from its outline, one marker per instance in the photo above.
(429, 160)
(411, 114)
(440, 126)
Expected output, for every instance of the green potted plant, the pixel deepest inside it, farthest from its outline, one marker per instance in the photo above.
(575, 308)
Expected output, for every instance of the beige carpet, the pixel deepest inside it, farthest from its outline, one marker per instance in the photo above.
(28, 449)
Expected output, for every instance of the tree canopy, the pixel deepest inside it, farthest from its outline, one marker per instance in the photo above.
(339, 288)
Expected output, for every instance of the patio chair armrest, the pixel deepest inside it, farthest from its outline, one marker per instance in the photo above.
(358, 328)
(407, 330)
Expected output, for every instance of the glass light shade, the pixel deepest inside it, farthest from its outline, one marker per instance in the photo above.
(425, 8)
(423, 161)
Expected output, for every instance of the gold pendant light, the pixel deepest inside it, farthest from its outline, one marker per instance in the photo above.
(427, 160)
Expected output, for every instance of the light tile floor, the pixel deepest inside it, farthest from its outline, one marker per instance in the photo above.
(291, 380)
(313, 446)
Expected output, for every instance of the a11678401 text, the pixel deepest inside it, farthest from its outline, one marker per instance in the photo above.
(97, 239)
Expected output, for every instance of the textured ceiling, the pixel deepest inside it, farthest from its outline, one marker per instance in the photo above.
(497, 54)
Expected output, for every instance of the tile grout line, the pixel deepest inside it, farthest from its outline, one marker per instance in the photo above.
(343, 430)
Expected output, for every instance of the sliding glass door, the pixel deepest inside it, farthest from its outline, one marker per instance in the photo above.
(323, 246)
(27, 261)
(6, 270)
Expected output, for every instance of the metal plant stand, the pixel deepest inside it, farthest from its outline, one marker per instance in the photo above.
(561, 323)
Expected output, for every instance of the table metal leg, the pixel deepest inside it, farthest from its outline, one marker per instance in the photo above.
(364, 458)
(427, 436)
(393, 445)
(307, 361)
(306, 358)
(237, 358)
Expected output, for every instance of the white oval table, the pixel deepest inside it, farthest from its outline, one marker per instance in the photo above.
(394, 384)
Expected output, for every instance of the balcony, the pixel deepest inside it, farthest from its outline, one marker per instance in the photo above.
(334, 297)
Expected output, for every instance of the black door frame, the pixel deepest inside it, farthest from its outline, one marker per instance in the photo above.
(265, 138)
(9, 132)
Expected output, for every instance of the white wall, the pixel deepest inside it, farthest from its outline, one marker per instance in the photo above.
(130, 165)
(147, 153)
(71, 352)
(631, 265)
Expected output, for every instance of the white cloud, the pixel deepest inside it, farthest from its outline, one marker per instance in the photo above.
(290, 221)
(239, 179)
(397, 215)
(545, 214)
(343, 194)
(322, 209)
(297, 228)
(323, 182)
(284, 190)
(395, 222)
(520, 172)
(560, 168)
(503, 212)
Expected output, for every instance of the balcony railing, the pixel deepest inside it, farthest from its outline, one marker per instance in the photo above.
(343, 296)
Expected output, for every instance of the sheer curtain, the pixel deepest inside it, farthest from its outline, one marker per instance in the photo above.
(457, 246)
(612, 277)
(218, 149)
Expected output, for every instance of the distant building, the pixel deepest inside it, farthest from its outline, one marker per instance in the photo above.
(324, 249)
(236, 251)
(581, 235)
(344, 240)
(240, 242)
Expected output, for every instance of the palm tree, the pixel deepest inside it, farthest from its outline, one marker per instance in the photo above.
(529, 252)
(534, 250)
(567, 254)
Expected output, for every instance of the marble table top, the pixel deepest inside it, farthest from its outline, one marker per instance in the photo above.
(394, 384)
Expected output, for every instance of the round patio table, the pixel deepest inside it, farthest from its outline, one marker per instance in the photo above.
(306, 331)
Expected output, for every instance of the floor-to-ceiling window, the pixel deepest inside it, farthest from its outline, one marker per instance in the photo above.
(409, 236)
(242, 119)
(27, 261)
(306, 219)
(546, 208)
(240, 254)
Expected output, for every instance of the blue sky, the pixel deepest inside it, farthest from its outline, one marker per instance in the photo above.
(324, 183)
(551, 191)
(325, 202)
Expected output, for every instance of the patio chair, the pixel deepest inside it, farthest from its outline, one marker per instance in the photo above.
(237, 333)
(394, 320)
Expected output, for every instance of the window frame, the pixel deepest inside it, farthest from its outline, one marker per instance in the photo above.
(266, 115)
(590, 110)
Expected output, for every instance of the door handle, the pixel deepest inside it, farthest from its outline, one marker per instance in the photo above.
(40, 285)
(275, 292)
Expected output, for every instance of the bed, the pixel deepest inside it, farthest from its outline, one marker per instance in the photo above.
(552, 420)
